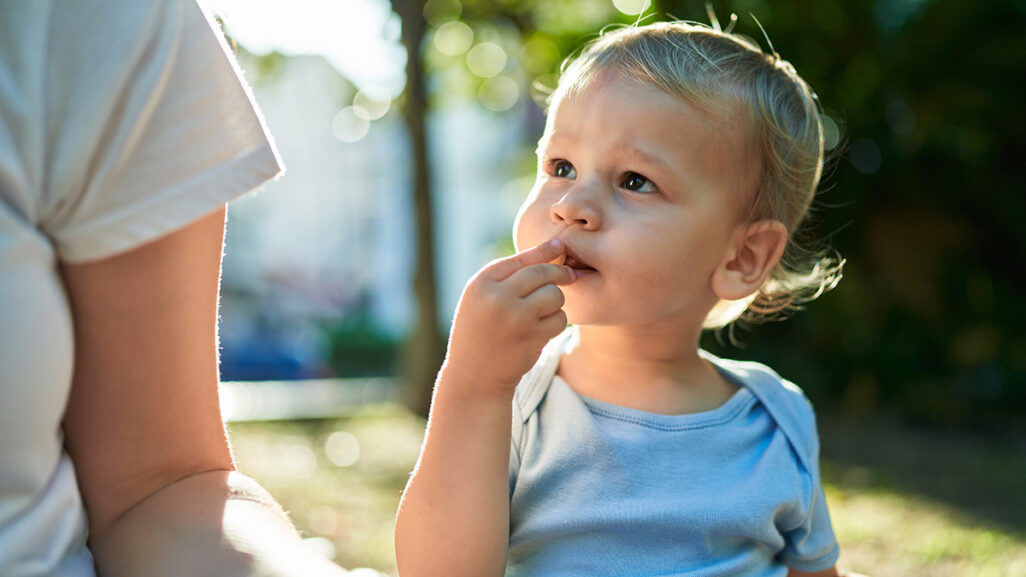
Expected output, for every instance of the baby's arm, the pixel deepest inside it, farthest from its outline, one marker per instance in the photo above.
(454, 516)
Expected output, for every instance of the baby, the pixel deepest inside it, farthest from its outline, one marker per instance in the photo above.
(676, 163)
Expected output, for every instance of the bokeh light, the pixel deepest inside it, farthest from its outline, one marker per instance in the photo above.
(453, 38)
(298, 459)
(901, 118)
(632, 7)
(349, 126)
(486, 59)
(865, 156)
(437, 12)
(499, 93)
(831, 132)
(370, 104)
(342, 448)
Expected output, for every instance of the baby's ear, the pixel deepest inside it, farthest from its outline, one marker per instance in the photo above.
(757, 250)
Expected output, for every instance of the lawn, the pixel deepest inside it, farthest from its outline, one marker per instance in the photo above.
(905, 501)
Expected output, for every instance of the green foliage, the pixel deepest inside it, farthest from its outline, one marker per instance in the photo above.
(535, 37)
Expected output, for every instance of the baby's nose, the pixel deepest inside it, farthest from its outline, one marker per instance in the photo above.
(578, 207)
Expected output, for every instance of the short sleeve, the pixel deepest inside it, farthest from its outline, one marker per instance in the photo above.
(148, 128)
(529, 394)
(809, 542)
(811, 546)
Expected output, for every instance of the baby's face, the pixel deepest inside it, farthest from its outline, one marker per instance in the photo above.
(646, 192)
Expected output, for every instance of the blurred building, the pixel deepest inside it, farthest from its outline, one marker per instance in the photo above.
(330, 244)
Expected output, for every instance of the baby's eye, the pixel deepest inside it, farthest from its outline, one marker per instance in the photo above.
(563, 169)
(638, 183)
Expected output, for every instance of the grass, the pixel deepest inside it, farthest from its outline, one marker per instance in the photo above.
(904, 501)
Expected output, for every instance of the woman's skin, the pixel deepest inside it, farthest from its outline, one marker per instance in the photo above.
(143, 423)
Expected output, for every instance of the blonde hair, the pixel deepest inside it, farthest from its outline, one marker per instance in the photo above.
(718, 71)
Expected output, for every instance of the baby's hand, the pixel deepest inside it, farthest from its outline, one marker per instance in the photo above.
(508, 312)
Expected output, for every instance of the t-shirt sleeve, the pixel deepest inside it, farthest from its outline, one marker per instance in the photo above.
(809, 542)
(811, 546)
(150, 127)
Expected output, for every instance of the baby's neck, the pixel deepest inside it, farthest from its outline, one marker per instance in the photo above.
(645, 370)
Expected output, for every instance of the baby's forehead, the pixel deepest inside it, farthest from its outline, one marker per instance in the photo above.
(723, 110)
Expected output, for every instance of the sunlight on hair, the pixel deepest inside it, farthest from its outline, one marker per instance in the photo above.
(725, 312)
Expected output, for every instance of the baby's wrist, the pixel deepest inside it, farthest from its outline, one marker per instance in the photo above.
(470, 387)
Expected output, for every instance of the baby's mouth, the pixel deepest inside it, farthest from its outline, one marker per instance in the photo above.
(576, 264)
(573, 262)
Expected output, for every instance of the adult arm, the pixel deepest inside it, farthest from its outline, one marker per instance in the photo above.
(143, 423)
(454, 516)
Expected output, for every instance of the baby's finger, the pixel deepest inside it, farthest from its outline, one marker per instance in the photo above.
(544, 252)
(553, 324)
(528, 279)
(545, 301)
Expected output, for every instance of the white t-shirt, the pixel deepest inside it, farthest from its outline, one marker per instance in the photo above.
(119, 122)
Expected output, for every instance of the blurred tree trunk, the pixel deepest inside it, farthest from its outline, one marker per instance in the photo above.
(425, 348)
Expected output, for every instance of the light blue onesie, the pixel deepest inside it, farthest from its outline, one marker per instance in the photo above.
(597, 489)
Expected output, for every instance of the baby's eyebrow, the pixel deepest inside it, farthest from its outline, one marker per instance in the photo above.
(630, 151)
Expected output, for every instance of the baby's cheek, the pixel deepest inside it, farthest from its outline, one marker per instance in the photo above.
(518, 241)
(526, 227)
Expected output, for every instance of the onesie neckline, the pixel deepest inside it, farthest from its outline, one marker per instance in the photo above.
(737, 404)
